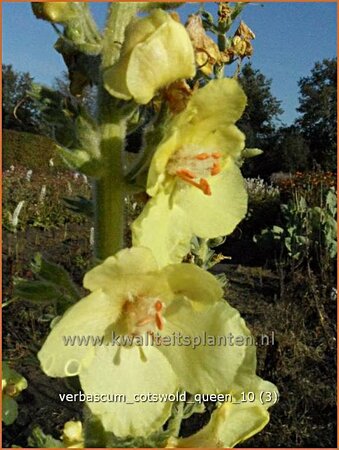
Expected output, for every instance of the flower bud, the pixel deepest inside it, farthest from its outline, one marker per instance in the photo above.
(239, 46)
(60, 12)
(72, 435)
(156, 52)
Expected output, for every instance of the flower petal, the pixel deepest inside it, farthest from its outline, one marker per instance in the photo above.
(221, 100)
(124, 371)
(156, 179)
(213, 137)
(164, 57)
(217, 214)
(163, 228)
(237, 420)
(89, 317)
(137, 260)
(193, 283)
(156, 52)
(229, 425)
(209, 367)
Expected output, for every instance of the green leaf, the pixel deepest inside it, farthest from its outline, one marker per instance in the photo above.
(237, 9)
(39, 439)
(35, 291)
(80, 204)
(94, 432)
(277, 230)
(81, 160)
(251, 152)
(11, 376)
(55, 274)
(9, 410)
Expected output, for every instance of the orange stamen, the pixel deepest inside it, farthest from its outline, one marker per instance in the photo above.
(185, 173)
(216, 169)
(202, 156)
(202, 185)
(216, 155)
(158, 306)
(205, 187)
(186, 178)
(158, 321)
(144, 321)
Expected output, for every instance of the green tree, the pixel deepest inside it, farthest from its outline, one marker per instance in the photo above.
(18, 111)
(263, 109)
(259, 121)
(292, 152)
(318, 109)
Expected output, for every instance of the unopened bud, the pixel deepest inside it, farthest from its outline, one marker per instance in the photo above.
(59, 12)
(72, 435)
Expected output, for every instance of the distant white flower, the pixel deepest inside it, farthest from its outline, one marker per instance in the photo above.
(42, 194)
(51, 163)
(29, 174)
(15, 217)
(257, 188)
(334, 294)
(12, 168)
(91, 237)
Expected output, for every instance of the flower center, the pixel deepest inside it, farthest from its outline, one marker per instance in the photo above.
(194, 166)
(143, 314)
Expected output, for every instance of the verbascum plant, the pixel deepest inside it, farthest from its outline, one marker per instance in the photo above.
(141, 330)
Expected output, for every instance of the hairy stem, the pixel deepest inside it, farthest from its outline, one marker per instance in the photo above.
(109, 189)
(118, 18)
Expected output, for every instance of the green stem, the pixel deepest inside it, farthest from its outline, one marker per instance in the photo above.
(91, 27)
(109, 189)
(175, 421)
(118, 18)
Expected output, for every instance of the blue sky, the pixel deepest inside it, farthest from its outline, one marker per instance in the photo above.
(291, 37)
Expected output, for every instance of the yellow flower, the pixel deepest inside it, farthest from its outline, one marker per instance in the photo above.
(194, 180)
(156, 52)
(133, 300)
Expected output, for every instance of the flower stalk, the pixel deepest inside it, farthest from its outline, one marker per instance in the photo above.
(109, 192)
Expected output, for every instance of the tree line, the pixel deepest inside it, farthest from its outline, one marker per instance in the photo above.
(308, 143)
